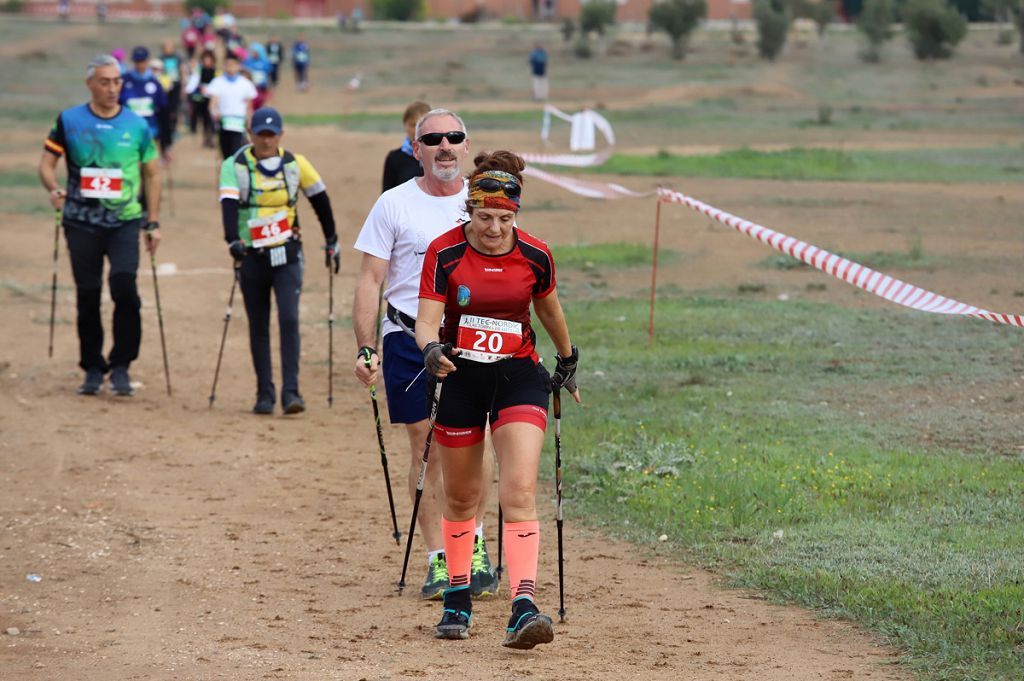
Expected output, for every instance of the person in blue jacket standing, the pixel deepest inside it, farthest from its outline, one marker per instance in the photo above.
(143, 94)
(300, 60)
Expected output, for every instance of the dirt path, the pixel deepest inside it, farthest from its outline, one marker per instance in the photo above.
(177, 542)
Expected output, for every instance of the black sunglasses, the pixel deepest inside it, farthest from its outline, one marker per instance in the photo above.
(432, 139)
(490, 184)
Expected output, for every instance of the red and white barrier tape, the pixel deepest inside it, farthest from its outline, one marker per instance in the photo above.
(592, 190)
(879, 284)
(570, 160)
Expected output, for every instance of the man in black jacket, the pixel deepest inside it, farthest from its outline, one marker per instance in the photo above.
(400, 165)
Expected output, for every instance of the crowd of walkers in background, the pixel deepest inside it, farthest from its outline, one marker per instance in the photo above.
(183, 83)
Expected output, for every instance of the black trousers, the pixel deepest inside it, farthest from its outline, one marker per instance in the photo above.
(230, 142)
(257, 279)
(87, 247)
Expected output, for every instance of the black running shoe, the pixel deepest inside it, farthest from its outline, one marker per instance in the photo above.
(121, 382)
(292, 403)
(527, 627)
(482, 579)
(264, 405)
(458, 612)
(93, 382)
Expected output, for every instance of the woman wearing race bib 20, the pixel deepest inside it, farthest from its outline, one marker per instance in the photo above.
(481, 277)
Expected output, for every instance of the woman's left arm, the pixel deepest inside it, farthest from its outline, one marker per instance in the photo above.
(549, 312)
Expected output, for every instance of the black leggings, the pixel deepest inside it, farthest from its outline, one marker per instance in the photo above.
(257, 279)
(230, 142)
(87, 247)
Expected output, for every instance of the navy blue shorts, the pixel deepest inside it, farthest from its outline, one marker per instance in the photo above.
(405, 380)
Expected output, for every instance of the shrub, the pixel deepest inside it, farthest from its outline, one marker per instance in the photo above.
(772, 21)
(582, 47)
(678, 18)
(821, 12)
(876, 24)
(568, 28)
(933, 27)
(596, 15)
(1007, 11)
(208, 6)
(397, 10)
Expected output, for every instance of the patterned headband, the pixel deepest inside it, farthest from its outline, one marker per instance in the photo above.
(495, 189)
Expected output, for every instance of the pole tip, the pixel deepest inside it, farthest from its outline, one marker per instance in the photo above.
(398, 538)
(561, 616)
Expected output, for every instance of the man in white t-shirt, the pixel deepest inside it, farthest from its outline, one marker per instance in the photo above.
(393, 241)
(231, 95)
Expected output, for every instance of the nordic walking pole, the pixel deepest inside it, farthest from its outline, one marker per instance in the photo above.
(556, 401)
(224, 335)
(501, 523)
(160, 319)
(53, 284)
(170, 189)
(423, 475)
(383, 454)
(330, 339)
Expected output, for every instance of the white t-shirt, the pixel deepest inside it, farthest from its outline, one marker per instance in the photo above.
(232, 97)
(398, 229)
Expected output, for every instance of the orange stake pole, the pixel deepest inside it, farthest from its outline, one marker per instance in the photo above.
(654, 271)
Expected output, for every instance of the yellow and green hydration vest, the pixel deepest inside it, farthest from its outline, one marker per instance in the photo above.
(267, 214)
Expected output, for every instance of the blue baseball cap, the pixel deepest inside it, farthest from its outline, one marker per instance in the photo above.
(267, 120)
(140, 53)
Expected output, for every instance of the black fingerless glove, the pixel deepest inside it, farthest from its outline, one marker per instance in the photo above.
(565, 371)
(237, 250)
(432, 354)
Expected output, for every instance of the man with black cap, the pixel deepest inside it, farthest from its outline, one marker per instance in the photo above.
(145, 97)
(259, 193)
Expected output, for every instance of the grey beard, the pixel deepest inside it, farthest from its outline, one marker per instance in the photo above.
(445, 174)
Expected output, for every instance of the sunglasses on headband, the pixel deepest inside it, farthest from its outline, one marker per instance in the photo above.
(432, 139)
(490, 184)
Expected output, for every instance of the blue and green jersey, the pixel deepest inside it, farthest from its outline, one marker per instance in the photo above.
(103, 158)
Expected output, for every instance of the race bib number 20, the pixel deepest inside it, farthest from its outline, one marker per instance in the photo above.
(101, 183)
(487, 340)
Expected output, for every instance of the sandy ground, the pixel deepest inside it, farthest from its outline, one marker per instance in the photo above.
(178, 542)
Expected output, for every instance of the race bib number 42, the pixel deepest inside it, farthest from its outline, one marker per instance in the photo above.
(270, 231)
(101, 183)
(487, 340)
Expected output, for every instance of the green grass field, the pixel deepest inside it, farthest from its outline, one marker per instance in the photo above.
(776, 453)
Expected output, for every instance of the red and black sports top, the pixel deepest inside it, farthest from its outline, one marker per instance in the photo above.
(499, 287)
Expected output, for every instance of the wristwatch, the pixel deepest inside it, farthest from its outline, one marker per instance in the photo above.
(150, 226)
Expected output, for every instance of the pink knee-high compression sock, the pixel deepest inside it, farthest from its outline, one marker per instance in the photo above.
(522, 549)
(458, 549)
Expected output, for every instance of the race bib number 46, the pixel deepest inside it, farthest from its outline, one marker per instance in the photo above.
(270, 231)
(101, 183)
(487, 340)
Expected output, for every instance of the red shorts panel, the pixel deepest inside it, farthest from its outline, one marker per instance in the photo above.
(454, 437)
(522, 413)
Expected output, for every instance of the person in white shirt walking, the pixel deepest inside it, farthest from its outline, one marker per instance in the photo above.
(231, 95)
(393, 241)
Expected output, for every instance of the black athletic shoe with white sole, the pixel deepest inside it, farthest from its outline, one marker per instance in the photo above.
(457, 615)
(121, 382)
(527, 627)
(93, 382)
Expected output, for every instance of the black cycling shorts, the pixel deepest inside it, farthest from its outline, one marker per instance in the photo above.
(509, 391)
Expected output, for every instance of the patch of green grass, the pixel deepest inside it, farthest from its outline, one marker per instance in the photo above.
(776, 443)
(19, 178)
(997, 164)
(617, 254)
(913, 258)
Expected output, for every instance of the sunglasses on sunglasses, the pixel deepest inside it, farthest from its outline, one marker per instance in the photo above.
(432, 139)
(490, 184)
